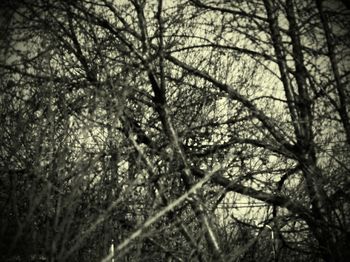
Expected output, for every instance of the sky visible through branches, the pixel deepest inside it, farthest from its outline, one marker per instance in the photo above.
(188, 130)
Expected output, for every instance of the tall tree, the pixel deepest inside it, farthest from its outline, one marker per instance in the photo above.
(196, 129)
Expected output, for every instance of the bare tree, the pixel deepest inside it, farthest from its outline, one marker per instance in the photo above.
(196, 130)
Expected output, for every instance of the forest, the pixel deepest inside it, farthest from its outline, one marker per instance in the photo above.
(189, 130)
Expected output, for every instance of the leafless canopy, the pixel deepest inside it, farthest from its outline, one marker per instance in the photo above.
(187, 130)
